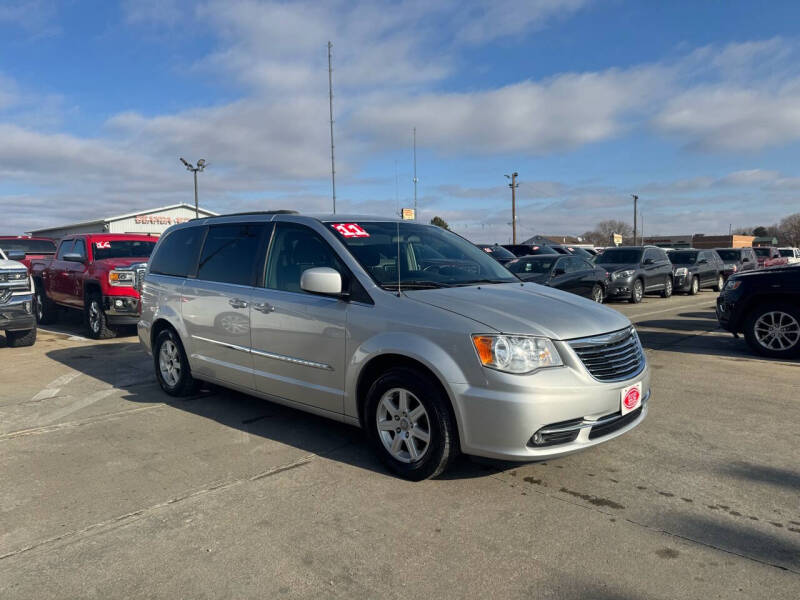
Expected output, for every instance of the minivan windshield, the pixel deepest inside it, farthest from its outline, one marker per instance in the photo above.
(683, 258)
(619, 256)
(729, 254)
(430, 257)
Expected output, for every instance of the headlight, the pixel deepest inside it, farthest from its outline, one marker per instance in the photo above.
(121, 278)
(681, 271)
(732, 284)
(16, 276)
(622, 274)
(729, 267)
(516, 354)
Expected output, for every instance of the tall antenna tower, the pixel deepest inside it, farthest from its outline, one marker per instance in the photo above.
(330, 102)
(415, 173)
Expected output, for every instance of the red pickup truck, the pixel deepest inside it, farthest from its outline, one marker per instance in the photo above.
(769, 256)
(32, 247)
(97, 274)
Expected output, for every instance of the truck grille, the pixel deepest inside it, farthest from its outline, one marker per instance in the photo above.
(611, 357)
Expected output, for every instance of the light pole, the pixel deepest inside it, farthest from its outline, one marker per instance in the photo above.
(635, 200)
(513, 185)
(201, 164)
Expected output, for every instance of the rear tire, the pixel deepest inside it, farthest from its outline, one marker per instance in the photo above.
(667, 292)
(20, 339)
(416, 438)
(720, 283)
(45, 309)
(171, 365)
(773, 330)
(597, 293)
(637, 292)
(95, 318)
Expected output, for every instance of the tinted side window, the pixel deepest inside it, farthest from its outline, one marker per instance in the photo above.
(574, 265)
(294, 249)
(230, 253)
(662, 255)
(649, 253)
(80, 248)
(65, 248)
(177, 254)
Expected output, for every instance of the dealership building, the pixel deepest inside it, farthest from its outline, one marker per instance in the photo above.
(699, 240)
(152, 221)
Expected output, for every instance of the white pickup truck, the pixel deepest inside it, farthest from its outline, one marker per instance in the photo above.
(16, 302)
(792, 254)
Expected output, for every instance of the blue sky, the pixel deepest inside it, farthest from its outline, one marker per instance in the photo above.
(695, 106)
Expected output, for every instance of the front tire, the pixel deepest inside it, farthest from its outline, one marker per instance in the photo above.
(667, 292)
(637, 292)
(171, 365)
(774, 330)
(95, 318)
(695, 286)
(720, 283)
(409, 424)
(46, 310)
(20, 339)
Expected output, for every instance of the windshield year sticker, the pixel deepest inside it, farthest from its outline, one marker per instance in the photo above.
(102, 245)
(350, 230)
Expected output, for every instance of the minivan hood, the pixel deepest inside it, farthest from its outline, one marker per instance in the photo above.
(526, 309)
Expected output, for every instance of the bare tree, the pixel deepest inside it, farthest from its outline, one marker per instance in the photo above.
(790, 229)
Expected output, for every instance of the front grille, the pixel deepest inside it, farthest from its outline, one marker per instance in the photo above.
(612, 426)
(5, 296)
(611, 357)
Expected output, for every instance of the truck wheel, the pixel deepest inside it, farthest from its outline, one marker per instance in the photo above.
(19, 339)
(720, 283)
(637, 292)
(695, 286)
(95, 318)
(172, 368)
(773, 329)
(667, 287)
(409, 424)
(46, 310)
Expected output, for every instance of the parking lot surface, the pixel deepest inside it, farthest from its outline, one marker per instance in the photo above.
(112, 489)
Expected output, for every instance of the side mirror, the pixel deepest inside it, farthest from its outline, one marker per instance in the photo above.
(702, 261)
(648, 261)
(745, 259)
(557, 272)
(74, 257)
(321, 280)
(15, 255)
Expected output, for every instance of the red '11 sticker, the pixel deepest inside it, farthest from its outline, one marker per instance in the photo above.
(102, 245)
(350, 230)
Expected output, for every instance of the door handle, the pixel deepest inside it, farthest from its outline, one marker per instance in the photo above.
(264, 307)
(237, 303)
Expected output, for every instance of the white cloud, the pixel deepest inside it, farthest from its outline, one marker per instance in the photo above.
(35, 17)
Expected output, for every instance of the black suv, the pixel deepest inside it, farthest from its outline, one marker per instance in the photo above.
(635, 271)
(696, 269)
(497, 252)
(737, 260)
(529, 249)
(765, 306)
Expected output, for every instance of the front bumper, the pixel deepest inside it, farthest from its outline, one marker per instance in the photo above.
(620, 288)
(121, 310)
(682, 283)
(499, 421)
(17, 313)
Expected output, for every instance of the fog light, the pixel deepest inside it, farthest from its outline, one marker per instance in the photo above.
(118, 303)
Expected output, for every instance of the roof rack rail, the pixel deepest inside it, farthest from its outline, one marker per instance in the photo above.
(282, 211)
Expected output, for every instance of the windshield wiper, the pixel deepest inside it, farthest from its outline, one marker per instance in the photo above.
(480, 281)
(415, 285)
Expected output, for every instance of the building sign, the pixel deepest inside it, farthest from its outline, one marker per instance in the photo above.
(159, 220)
(408, 214)
(617, 239)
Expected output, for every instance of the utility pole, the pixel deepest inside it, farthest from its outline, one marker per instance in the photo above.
(415, 173)
(635, 200)
(330, 104)
(513, 185)
(201, 165)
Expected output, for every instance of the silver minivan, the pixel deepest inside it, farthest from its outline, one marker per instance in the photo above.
(406, 330)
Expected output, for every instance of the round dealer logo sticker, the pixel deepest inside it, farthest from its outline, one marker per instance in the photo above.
(631, 398)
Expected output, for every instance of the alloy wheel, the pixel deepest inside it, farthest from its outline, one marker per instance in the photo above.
(403, 425)
(94, 316)
(597, 294)
(169, 363)
(777, 330)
